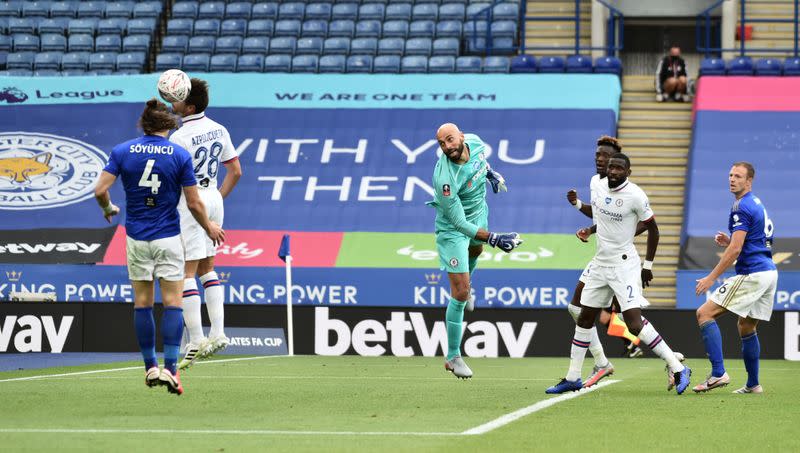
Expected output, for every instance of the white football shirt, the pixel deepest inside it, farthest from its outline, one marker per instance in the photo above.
(617, 212)
(209, 144)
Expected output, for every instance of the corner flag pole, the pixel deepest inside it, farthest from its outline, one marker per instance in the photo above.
(285, 254)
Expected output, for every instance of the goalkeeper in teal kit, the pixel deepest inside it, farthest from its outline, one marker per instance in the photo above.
(462, 222)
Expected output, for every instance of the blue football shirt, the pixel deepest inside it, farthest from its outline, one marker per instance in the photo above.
(154, 172)
(749, 214)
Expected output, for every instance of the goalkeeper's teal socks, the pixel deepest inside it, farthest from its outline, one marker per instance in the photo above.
(454, 318)
(172, 332)
(145, 327)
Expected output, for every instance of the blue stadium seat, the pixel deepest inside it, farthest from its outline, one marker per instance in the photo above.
(371, 11)
(202, 44)
(419, 46)
(147, 10)
(132, 62)
(211, 10)
(291, 11)
(122, 9)
(113, 26)
(332, 64)
(359, 64)
(344, 11)
(233, 27)
(504, 29)
(791, 67)
(551, 64)
(769, 67)
(261, 27)
(579, 64)
(448, 29)
(100, 72)
(91, 9)
(452, 11)
(73, 72)
(185, 10)
(255, 44)
(336, 46)
(305, 63)
(478, 11)
(283, 45)
(379, 1)
(523, 63)
(22, 25)
(740, 66)
(395, 29)
(108, 43)
(35, 9)
(238, 10)
(63, 9)
(264, 11)
(314, 28)
(475, 28)
(414, 64)
(712, 66)
(496, 65)
(287, 28)
(318, 11)
(422, 29)
(56, 25)
(391, 46)
(608, 65)
(206, 27)
(46, 73)
(5, 44)
(82, 26)
(100, 61)
(308, 46)
(278, 63)
(364, 46)
(47, 60)
(143, 26)
(341, 29)
(250, 63)
(51, 42)
(506, 11)
(166, 61)
(17, 73)
(175, 44)
(427, 11)
(368, 29)
(180, 27)
(196, 62)
(223, 62)
(386, 64)
(441, 64)
(75, 61)
(20, 60)
(25, 43)
(398, 11)
(229, 44)
(446, 47)
(80, 43)
(8, 9)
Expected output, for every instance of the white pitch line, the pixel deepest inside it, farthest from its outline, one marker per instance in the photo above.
(238, 432)
(330, 378)
(111, 370)
(544, 404)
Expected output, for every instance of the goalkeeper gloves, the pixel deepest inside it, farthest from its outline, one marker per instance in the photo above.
(496, 180)
(504, 241)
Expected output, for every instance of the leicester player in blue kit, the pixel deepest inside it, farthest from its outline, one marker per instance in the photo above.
(750, 293)
(154, 171)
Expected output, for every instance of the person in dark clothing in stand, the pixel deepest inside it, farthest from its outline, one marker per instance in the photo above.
(671, 81)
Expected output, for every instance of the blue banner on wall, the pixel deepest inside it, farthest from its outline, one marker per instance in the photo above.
(787, 298)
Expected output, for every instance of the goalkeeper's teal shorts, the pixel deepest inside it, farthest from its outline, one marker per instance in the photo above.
(453, 248)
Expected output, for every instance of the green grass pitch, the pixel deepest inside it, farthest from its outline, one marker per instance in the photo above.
(392, 404)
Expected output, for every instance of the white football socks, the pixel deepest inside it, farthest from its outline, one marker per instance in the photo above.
(214, 295)
(191, 311)
(595, 347)
(580, 343)
(653, 340)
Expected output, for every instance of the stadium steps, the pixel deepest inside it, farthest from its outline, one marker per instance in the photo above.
(657, 136)
(766, 35)
(556, 34)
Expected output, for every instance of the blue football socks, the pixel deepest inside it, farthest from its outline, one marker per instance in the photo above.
(146, 335)
(172, 332)
(751, 349)
(712, 340)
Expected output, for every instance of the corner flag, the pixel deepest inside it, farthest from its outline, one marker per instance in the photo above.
(286, 256)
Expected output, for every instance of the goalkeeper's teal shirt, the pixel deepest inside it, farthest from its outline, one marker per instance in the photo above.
(460, 191)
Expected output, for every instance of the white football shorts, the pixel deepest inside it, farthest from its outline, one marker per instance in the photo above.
(602, 283)
(161, 258)
(196, 242)
(748, 295)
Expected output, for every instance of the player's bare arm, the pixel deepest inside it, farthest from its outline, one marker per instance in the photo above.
(103, 197)
(652, 244)
(734, 248)
(198, 210)
(585, 209)
(233, 171)
(722, 239)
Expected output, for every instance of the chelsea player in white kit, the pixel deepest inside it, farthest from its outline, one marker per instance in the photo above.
(750, 293)
(209, 144)
(618, 205)
(154, 172)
